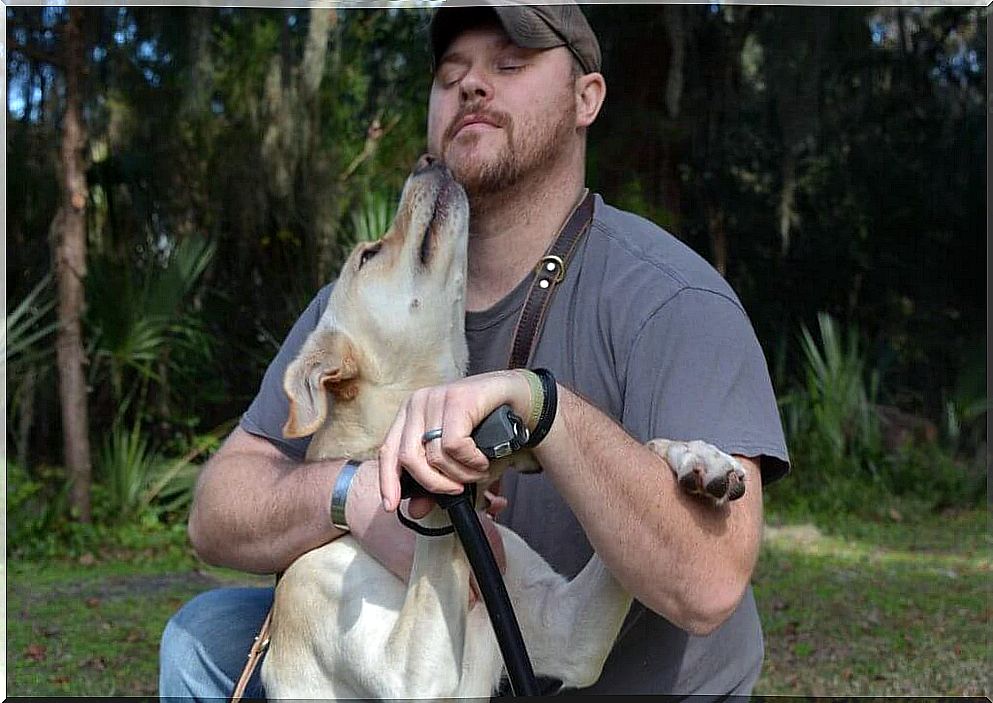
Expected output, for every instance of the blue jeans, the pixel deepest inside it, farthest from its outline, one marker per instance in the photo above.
(205, 645)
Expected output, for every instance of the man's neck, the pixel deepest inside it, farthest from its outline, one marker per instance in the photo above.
(510, 230)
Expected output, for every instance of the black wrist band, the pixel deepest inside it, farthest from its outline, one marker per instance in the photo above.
(548, 408)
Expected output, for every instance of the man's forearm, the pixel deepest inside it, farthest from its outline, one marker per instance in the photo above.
(256, 510)
(679, 556)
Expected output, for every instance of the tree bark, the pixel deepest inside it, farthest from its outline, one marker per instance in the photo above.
(718, 238)
(25, 417)
(326, 196)
(298, 172)
(787, 201)
(69, 229)
(677, 42)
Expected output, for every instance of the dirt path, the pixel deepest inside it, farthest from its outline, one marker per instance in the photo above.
(133, 584)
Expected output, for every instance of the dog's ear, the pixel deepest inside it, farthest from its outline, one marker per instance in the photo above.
(326, 364)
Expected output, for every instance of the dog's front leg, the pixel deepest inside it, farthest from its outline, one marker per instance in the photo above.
(423, 654)
(571, 626)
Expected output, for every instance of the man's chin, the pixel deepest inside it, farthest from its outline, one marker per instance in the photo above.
(478, 184)
(477, 175)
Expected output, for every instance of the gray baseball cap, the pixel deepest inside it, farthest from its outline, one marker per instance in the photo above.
(529, 26)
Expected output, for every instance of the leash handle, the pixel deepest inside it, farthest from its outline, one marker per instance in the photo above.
(500, 434)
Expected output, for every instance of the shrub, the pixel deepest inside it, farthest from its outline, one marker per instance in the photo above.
(829, 417)
(141, 483)
(39, 524)
(840, 462)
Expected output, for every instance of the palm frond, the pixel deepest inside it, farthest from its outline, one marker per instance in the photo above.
(24, 327)
(171, 486)
(138, 316)
(836, 404)
(167, 288)
(125, 463)
(372, 217)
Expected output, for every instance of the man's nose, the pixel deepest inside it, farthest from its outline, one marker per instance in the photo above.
(474, 86)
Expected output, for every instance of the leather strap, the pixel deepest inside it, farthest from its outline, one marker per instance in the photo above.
(549, 272)
(259, 646)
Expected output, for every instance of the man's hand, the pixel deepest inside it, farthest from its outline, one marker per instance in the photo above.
(445, 464)
(390, 543)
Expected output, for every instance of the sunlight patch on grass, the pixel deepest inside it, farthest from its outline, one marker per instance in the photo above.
(808, 539)
(876, 615)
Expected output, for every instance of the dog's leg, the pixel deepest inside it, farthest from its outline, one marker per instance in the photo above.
(345, 627)
(571, 625)
(423, 655)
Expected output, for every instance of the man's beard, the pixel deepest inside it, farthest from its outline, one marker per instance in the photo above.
(541, 145)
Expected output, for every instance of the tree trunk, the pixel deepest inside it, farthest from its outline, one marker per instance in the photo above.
(718, 239)
(677, 43)
(26, 417)
(327, 195)
(290, 109)
(69, 229)
(787, 202)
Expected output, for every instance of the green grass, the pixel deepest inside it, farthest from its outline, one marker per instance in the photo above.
(91, 627)
(850, 606)
(874, 608)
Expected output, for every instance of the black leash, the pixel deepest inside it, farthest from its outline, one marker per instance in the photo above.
(499, 434)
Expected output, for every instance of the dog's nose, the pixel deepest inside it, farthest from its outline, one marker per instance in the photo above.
(426, 162)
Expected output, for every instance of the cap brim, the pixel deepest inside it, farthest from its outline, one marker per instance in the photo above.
(527, 26)
(524, 27)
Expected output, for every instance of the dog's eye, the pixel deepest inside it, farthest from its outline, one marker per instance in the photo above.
(369, 253)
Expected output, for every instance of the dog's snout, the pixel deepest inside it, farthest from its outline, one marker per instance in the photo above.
(426, 163)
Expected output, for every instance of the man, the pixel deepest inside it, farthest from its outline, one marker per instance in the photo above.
(644, 338)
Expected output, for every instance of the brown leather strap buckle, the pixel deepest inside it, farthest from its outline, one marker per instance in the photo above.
(550, 271)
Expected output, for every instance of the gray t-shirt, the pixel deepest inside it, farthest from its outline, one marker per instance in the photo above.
(650, 333)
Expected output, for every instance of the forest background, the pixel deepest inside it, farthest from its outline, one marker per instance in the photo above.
(181, 181)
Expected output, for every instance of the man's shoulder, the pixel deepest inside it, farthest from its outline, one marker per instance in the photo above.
(634, 249)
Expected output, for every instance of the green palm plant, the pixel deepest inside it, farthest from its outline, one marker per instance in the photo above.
(170, 486)
(25, 328)
(137, 318)
(140, 480)
(145, 331)
(124, 466)
(832, 412)
(27, 351)
(836, 383)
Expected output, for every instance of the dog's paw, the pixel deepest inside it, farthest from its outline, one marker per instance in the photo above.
(702, 469)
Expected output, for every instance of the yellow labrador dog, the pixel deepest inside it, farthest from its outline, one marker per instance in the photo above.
(343, 625)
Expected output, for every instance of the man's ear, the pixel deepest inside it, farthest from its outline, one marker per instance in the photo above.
(591, 90)
(326, 364)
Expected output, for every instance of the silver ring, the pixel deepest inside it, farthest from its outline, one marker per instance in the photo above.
(431, 435)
